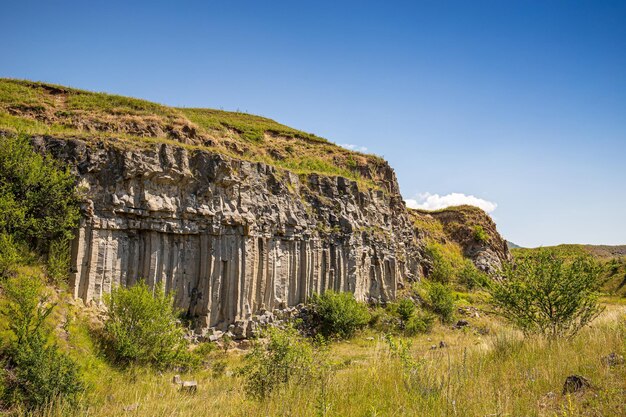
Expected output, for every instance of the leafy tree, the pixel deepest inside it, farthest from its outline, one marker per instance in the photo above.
(36, 370)
(339, 314)
(546, 295)
(142, 327)
(37, 196)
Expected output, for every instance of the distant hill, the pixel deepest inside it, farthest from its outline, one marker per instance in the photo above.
(603, 252)
(512, 245)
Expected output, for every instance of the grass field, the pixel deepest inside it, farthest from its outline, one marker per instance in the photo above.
(486, 369)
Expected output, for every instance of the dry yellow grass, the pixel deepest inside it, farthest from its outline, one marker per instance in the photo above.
(487, 370)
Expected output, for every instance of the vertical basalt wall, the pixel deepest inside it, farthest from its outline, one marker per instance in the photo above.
(230, 237)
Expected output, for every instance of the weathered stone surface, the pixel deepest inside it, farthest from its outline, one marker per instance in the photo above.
(612, 359)
(232, 238)
(189, 386)
(575, 383)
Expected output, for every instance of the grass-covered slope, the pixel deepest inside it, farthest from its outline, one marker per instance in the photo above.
(45, 109)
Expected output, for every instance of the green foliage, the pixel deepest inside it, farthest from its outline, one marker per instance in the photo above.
(9, 255)
(440, 300)
(445, 259)
(420, 322)
(480, 235)
(285, 358)
(405, 309)
(339, 314)
(142, 327)
(36, 371)
(544, 294)
(471, 277)
(405, 317)
(37, 198)
(58, 263)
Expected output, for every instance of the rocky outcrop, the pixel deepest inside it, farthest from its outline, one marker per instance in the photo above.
(475, 233)
(231, 237)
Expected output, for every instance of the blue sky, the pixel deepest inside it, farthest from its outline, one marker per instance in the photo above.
(518, 103)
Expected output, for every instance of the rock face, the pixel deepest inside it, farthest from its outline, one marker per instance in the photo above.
(488, 250)
(231, 237)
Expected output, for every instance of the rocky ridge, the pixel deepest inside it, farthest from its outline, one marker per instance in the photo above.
(239, 240)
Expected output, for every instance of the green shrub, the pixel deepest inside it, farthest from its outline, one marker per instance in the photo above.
(36, 371)
(142, 327)
(405, 310)
(543, 294)
(284, 358)
(339, 314)
(58, 263)
(37, 196)
(471, 277)
(9, 255)
(440, 300)
(419, 323)
(480, 235)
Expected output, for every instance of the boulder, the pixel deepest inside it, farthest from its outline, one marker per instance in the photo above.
(575, 383)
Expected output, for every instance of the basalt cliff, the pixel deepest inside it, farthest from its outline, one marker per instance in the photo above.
(234, 213)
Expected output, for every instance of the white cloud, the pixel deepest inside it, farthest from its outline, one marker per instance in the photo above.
(353, 147)
(428, 201)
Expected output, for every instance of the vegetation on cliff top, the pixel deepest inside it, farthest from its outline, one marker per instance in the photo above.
(45, 109)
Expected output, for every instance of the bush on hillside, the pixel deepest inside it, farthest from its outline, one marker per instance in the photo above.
(284, 358)
(480, 235)
(38, 204)
(142, 327)
(440, 300)
(58, 262)
(339, 315)
(36, 370)
(405, 309)
(471, 277)
(546, 295)
(10, 256)
(420, 322)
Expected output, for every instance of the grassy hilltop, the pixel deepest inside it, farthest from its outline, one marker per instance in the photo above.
(46, 109)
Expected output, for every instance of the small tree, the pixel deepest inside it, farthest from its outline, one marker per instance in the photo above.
(339, 314)
(36, 370)
(406, 310)
(440, 301)
(142, 327)
(285, 357)
(543, 294)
